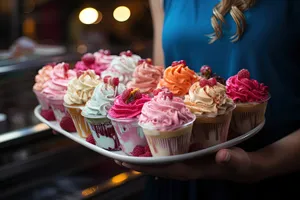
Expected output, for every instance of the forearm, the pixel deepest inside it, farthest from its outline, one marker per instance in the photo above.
(278, 158)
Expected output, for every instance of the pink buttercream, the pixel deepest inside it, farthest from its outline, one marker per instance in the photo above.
(146, 77)
(103, 60)
(42, 77)
(56, 87)
(126, 111)
(244, 90)
(165, 113)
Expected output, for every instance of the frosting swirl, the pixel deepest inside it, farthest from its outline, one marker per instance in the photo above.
(123, 110)
(178, 79)
(103, 61)
(146, 77)
(165, 113)
(244, 90)
(208, 100)
(56, 87)
(102, 99)
(122, 67)
(42, 77)
(81, 89)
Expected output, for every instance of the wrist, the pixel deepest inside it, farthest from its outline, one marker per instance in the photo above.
(258, 169)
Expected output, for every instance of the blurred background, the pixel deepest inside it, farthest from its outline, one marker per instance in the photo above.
(35, 164)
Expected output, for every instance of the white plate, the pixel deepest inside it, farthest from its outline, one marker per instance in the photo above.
(119, 155)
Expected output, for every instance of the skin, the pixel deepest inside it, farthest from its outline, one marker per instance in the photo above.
(233, 164)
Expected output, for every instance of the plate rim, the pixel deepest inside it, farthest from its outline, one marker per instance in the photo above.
(150, 160)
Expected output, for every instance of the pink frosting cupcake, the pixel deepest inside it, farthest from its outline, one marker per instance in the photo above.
(146, 76)
(56, 88)
(103, 58)
(167, 124)
(124, 115)
(251, 98)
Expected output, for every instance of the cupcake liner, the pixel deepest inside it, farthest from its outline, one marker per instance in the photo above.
(130, 134)
(210, 131)
(103, 132)
(246, 117)
(58, 108)
(80, 123)
(43, 101)
(168, 143)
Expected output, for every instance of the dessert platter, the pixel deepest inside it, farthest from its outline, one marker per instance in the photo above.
(125, 108)
(121, 156)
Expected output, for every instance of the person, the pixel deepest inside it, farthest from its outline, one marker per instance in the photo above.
(228, 35)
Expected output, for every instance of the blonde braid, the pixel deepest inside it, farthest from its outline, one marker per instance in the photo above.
(236, 8)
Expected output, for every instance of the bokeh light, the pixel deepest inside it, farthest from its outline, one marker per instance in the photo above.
(121, 13)
(88, 16)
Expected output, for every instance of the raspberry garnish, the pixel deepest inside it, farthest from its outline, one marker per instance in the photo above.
(169, 95)
(148, 61)
(244, 73)
(126, 94)
(138, 95)
(107, 79)
(212, 82)
(91, 140)
(115, 81)
(203, 82)
(88, 59)
(48, 115)
(138, 150)
(67, 124)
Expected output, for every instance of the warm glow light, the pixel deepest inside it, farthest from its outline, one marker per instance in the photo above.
(119, 178)
(88, 15)
(121, 13)
(99, 18)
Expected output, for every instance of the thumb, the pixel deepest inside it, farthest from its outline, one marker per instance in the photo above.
(234, 158)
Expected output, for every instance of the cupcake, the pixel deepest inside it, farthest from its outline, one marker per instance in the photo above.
(251, 98)
(167, 124)
(207, 99)
(103, 59)
(96, 110)
(124, 115)
(40, 83)
(79, 91)
(146, 76)
(122, 67)
(56, 88)
(178, 78)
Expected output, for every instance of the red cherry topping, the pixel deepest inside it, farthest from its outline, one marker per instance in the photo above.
(107, 79)
(203, 82)
(244, 73)
(126, 53)
(115, 81)
(212, 82)
(88, 59)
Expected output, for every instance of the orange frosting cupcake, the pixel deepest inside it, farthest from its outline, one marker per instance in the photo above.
(178, 78)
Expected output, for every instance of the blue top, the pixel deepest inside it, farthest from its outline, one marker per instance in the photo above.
(269, 49)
